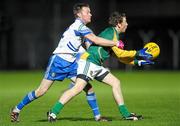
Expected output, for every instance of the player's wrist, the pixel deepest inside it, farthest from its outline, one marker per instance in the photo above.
(117, 44)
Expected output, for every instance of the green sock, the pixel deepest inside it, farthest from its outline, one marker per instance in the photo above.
(124, 111)
(57, 108)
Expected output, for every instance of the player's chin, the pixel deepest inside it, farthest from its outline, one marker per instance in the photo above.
(89, 20)
(124, 30)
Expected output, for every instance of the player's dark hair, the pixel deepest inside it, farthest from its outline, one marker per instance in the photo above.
(77, 7)
(116, 18)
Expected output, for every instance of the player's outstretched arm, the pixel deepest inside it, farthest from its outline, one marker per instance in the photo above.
(101, 41)
(120, 53)
(128, 57)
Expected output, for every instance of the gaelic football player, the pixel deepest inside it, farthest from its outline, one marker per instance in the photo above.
(91, 67)
(62, 63)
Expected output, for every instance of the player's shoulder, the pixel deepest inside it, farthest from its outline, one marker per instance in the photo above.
(107, 33)
(76, 25)
(79, 24)
(108, 30)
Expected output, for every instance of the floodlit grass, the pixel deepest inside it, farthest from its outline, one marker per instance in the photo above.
(154, 94)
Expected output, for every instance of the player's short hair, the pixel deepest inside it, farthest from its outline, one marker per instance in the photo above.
(77, 7)
(116, 18)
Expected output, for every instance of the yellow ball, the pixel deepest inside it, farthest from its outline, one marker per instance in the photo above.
(153, 49)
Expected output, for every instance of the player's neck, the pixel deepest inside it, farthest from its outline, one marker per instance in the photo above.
(81, 20)
(117, 29)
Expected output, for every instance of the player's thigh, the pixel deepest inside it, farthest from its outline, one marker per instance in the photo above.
(46, 83)
(88, 70)
(111, 80)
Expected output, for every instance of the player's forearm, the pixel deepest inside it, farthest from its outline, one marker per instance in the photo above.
(105, 42)
(123, 53)
(100, 41)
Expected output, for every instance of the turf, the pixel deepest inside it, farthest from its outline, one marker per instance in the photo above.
(154, 94)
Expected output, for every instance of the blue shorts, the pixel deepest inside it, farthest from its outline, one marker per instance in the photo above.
(59, 69)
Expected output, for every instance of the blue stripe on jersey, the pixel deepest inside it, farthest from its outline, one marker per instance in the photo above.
(73, 46)
(85, 32)
(77, 33)
(70, 45)
(82, 32)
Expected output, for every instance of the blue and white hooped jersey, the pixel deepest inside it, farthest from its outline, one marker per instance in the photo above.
(71, 40)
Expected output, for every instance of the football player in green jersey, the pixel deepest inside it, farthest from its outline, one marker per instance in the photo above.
(91, 63)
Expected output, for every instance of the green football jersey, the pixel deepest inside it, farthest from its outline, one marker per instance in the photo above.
(98, 54)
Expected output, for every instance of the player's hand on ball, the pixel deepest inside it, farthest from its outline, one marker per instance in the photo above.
(143, 62)
(120, 44)
(143, 54)
(153, 49)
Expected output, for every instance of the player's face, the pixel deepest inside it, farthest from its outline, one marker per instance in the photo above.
(85, 14)
(123, 25)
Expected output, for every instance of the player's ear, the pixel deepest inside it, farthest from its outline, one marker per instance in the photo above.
(79, 15)
(119, 25)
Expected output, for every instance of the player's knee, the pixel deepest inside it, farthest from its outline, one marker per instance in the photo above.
(39, 92)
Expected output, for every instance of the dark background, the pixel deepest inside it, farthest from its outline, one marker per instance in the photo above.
(30, 29)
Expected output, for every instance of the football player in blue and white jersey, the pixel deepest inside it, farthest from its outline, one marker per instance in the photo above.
(62, 64)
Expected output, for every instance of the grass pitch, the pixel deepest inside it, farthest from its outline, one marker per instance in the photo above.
(155, 95)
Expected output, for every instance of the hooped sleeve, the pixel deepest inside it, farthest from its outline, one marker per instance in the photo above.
(124, 56)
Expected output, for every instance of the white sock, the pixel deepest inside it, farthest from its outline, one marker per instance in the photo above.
(16, 110)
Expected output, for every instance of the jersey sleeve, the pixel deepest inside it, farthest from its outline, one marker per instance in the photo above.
(124, 56)
(120, 53)
(84, 30)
